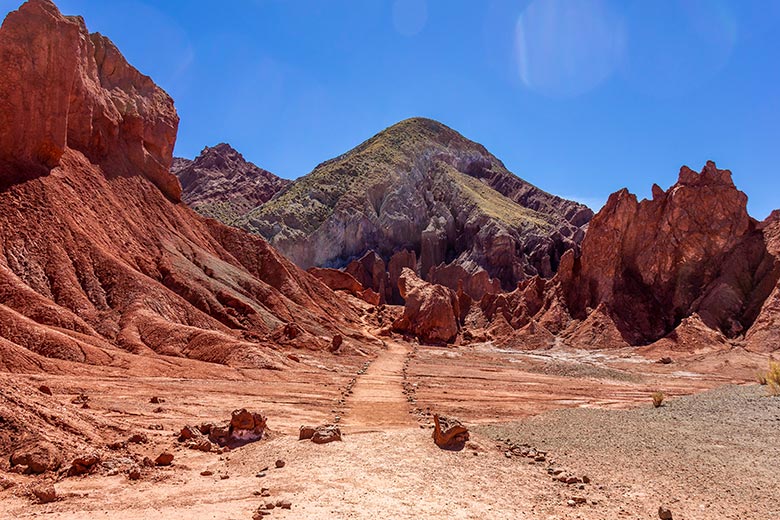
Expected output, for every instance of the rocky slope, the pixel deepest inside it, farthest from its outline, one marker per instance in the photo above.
(98, 264)
(688, 263)
(221, 184)
(422, 187)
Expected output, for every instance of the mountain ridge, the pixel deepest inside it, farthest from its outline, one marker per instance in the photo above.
(414, 182)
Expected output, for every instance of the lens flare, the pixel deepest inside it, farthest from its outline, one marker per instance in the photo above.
(410, 16)
(566, 48)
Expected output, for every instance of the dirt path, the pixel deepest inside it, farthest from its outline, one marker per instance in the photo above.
(377, 401)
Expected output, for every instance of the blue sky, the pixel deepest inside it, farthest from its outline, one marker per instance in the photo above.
(580, 97)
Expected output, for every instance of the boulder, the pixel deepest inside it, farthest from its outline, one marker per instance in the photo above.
(83, 464)
(306, 432)
(37, 457)
(430, 310)
(325, 434)
(44, 492)
(164, 459)
(449, 434)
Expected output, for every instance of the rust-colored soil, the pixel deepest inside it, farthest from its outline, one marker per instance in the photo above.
(387, 465)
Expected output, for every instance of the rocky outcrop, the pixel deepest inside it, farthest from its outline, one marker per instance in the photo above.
(659, 270)
(97, 265)
(422, 187)
(476, 284)
(655, 262)
(221, 184)
(764, 334)
(62, 87)
(338, 280)
(371, 272)
(430, 311)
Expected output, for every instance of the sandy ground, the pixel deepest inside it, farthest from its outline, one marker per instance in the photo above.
(388, 467)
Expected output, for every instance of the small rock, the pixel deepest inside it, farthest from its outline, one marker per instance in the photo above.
(164, 459)
(156, 400)
(571, 503)
(325, 434)
(44, 389)
(284, 504)
(159, 409)
(270, 505)
(134, 474)
(665, 360)
(260, 513)
(579, 500)
(224, 477)
(664, 513)
(586, 479)
(280, 463)
(293, 357)
(45, 493)
(206, 473)
(265, 492)
(138, 438)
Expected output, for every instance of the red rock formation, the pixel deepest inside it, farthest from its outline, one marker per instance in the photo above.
(221, 184)
(398, 261)
(97, 265)
(764, 334)
(652, 263)
(370, 271)
(476, 284)
(430, 311)
(647, 267)
(62, 87)
(338, 280)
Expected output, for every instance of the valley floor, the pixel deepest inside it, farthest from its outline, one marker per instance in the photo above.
(707, 456)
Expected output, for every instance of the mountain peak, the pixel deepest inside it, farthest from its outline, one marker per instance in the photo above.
(221, 184)
(421, 186)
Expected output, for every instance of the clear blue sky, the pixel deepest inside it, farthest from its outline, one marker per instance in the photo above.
(580, 97)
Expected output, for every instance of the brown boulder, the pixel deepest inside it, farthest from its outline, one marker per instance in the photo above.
(449, 434)
(37, 456)
(44, 492)
(306, 432)
(326, 434)
(164, 459)
(335, 344)
(430, 310)
(83, 464)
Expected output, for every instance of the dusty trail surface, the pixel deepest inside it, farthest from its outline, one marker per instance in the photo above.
(377, 401)
(387, 465)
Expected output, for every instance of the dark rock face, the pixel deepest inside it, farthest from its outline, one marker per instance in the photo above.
(63, 87)
(422, 187)
(221, 184)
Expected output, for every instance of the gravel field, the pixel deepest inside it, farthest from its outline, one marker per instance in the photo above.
(710, 455)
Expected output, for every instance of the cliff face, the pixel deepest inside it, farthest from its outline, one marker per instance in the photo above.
(221, 184)
(690, 258)
(422, 187)
(98, 265)
(65, 88)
